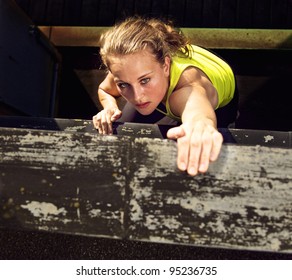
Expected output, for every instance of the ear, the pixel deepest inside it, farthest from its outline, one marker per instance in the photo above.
(166, 65)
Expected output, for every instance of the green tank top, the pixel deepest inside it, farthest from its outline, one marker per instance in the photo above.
(216, 69)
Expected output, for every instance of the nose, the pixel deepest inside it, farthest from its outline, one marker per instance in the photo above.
(138, 93)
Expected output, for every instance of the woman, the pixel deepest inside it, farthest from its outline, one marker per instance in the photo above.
(154, 68)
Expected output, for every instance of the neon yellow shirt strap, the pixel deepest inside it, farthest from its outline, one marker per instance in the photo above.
(216, 69)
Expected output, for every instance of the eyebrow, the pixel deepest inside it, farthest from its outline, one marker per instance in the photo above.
(143, 76)
(117, 80)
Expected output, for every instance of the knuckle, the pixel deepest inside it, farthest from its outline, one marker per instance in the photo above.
(206, 139)
(97, 117)
(103, 122)
(195, 143)
(218, 137)
(182, 142)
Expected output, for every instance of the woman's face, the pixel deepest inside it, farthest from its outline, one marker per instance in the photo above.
(141, 79)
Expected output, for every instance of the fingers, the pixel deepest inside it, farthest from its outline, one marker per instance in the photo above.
(197, 147)
(117, 114)
(182, 142)
(97, 122)
(206, 148)
(175, 132)
(103, 120)
(106, 124)
(182, 153)
(217, 144)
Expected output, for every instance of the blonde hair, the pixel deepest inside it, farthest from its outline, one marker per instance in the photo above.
(136, 33)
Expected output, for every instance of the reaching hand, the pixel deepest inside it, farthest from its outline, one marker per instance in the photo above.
(198, 144)
(103, 120)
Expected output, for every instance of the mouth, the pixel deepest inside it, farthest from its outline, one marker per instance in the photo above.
(142, 105)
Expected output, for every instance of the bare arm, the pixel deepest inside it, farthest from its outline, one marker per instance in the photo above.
(107, 94)
(199, 142)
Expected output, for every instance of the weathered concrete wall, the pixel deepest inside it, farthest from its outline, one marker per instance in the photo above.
(124, 187)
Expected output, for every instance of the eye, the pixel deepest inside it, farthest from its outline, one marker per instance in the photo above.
(145, 81)
(122, 85)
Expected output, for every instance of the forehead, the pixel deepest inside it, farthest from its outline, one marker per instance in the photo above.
(142, 55)
(132, 64)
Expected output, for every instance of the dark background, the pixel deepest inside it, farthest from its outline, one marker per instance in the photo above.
(263, 74)
(271, 14)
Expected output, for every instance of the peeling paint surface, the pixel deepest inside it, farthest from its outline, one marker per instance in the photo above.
(268, 138)
(237, 203)
(122, 187)
(44, 211)
(59, 186)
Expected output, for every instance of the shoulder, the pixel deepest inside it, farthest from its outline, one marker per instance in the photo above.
(187, 68)
(193, 81)
(190, 76)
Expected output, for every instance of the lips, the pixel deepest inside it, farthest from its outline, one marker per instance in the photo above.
(142, 105)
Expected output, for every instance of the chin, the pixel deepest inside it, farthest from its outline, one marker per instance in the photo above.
(145, 112)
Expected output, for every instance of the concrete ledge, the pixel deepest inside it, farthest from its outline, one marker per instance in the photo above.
(129, 188)
(220, 38)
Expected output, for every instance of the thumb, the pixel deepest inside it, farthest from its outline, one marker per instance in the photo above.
(117, 114)
(176, 132)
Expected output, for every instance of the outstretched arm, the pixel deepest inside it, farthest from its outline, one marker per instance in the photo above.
(198, 139)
